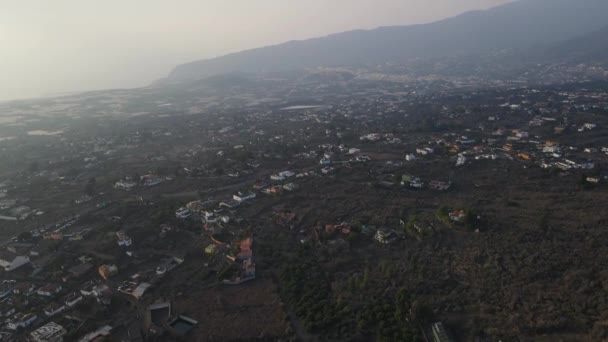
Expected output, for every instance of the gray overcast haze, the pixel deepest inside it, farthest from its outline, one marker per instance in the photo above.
(54, 46)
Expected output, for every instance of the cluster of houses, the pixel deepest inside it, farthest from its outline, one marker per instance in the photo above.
(28, 306)
(460, 149)
(348, 154)
(280, 182)
(238, 253)
(52, 299)
(417, 183)
(337, 232)
(517, 145)
(149, 180)
(217, 218)
(138, 283)
(244, 260)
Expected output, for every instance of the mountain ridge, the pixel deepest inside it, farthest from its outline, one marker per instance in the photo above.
(519, 25)
(588, 48)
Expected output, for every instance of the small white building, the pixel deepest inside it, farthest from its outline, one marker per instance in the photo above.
(51, 332)
(183, 213)
(421, 151)
(416, 183)
(291, 187)
(287, 174)
(125, 184)
(21, 320)
(461, 160)
(590, 150)
(209, 216)
(325, 161)
(551, 149)
(277, 178)
(49, 290)
(244, 196)
(54, 309)
(97, 334)
(327, 170)
(587, 127)
(10, 261)
(73, 299)
(6, 310)
(151, 180)
(384, 236)
(123, 239)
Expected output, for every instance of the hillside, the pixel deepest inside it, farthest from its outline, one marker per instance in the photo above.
(518, 26)
(592, 47)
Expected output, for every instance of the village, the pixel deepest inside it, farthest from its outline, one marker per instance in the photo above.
(150, 219)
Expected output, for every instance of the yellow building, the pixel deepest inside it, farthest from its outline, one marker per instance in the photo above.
(210, 249)
(523, 156)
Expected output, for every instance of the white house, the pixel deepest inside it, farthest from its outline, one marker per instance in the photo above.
(244, 196)
(551, 149)
(123, 239)
(327, 170)
(425, 151)
(21, 320)
(10, 261)
(587, 127)
(25, 289)
(93, 336)
(54, 309)
(73, 299)
(287, 174)
(277, 178)
(49, 290)
(151, 180)
(49, 332)
(209, 216)
(384, 236)
(125, 184)
(461, 160)
(290, 186)
(325, 161)
(371, 137)
(416, 183)
(183, 213)
(6, 310)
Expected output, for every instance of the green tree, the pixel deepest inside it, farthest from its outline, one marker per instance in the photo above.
(443, 215)
(89, 189)
(543, 222)
(471, 219)
(24, 237)
(34, 167)
(411, 222)
(161, 171)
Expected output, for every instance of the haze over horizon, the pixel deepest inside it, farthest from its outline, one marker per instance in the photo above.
(70, 46)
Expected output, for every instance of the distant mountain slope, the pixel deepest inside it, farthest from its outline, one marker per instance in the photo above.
(519, 25)
(591, 47)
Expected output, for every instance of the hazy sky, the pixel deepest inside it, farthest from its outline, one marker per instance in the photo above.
(52, 46)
